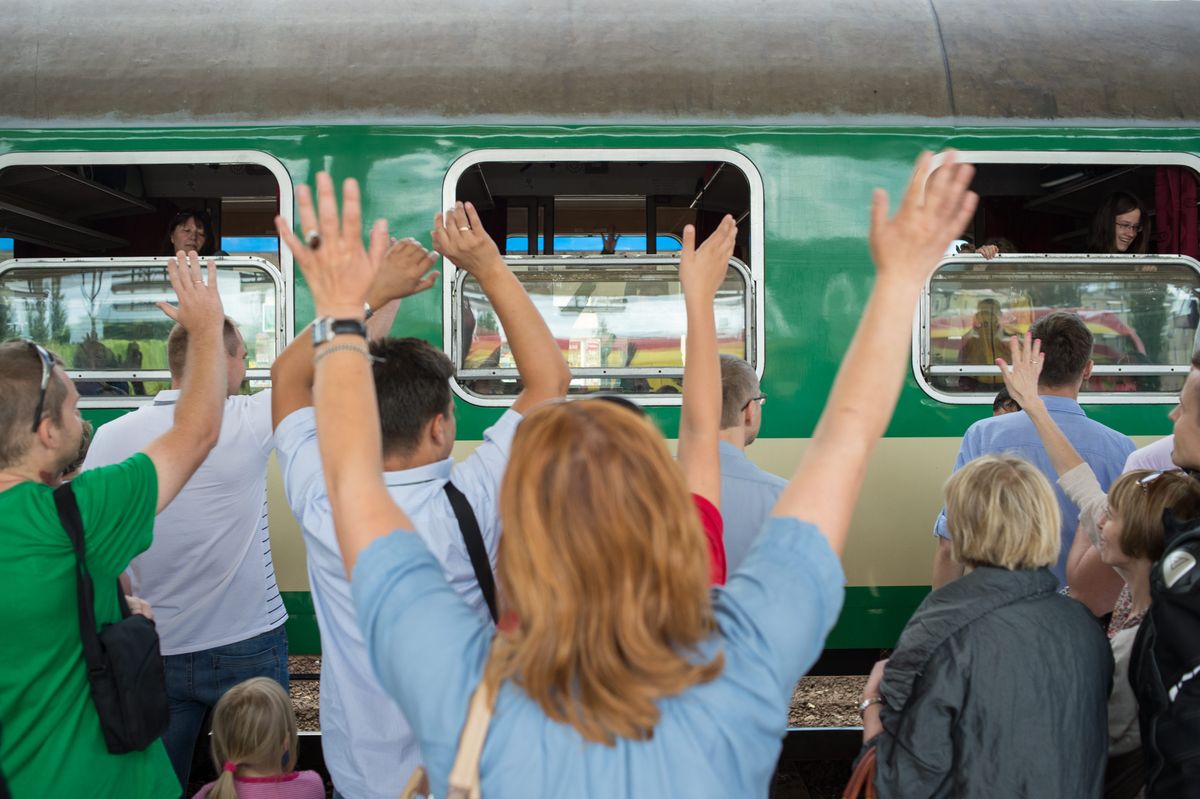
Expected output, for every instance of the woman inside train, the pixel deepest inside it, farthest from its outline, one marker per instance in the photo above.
(963, 707)
(1125, 528)
(190, 229)
(1119, 226)
(621, 672)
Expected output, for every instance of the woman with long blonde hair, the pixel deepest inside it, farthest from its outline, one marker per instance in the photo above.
(616, 671)
(254, 744)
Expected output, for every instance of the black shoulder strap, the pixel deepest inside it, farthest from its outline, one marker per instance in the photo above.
(475, 548)
(72, 522)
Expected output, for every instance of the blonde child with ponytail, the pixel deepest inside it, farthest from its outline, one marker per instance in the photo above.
(254, 742)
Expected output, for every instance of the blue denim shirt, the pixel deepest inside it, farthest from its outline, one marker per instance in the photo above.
(748, 495)
(1103, 448)
(721, 738)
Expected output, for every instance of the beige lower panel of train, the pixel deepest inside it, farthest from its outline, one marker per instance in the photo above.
(891, 541)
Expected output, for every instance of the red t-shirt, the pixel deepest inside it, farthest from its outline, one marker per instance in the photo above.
(714, 531)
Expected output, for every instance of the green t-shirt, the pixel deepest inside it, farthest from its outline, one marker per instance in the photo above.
(50, 741)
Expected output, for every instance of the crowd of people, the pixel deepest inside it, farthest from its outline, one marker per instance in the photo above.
(571, 610)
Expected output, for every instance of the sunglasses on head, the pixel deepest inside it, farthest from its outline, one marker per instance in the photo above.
(47, 370)
(1149, 480)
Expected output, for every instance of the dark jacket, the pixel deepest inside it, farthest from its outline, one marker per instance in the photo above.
(998, 688)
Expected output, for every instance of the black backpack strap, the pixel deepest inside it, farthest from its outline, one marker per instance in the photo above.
(475, 548)
(72, 522)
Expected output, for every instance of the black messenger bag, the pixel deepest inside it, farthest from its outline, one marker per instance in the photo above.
(125, 668)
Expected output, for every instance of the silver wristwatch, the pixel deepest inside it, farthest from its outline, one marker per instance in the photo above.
(326, 327)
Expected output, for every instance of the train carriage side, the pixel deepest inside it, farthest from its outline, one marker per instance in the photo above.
(792, 144)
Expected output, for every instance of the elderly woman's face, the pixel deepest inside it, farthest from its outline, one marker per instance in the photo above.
(188, 236)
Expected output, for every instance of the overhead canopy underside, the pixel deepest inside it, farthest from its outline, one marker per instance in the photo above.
(232, 61)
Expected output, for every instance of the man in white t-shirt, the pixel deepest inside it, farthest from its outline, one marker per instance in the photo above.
(208, 574)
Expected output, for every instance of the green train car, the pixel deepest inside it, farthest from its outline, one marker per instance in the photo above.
(588, 137)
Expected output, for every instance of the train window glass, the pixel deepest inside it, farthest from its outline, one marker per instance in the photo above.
(620, 324)
(100, 316)
(1142, 311)
(6, 249)
(605, 228)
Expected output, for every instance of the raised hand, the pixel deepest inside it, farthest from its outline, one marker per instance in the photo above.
(404, 272)
(199, 302)
(459, 235)
(337, 267)
(1021, 377)
(702, 270)
(931, 215)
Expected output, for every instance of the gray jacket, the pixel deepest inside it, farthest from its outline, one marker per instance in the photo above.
(998, 688)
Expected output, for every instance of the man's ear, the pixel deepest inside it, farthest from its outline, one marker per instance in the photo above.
(438, 430)
(1087, 370)
(748, 414)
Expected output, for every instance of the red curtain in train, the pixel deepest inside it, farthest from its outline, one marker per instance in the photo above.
(1175, 204)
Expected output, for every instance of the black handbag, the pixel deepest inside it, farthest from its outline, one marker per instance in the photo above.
(124, 665)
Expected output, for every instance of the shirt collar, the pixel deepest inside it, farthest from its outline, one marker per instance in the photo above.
(168, 396)
(439, 470)
(1062, 405)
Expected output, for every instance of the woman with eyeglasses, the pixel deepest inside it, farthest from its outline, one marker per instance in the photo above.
(1126, 529)
(620, 672)
(1119, 226)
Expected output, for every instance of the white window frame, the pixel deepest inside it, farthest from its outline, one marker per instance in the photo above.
(1145, 158)
(284, 314)
(756, 330)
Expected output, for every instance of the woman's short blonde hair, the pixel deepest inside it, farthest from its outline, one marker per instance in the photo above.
(1001, 511)
(604, 568)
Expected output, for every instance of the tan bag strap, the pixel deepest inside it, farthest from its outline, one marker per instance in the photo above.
(464, 775)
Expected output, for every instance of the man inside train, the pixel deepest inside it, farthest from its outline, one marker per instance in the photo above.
(368, 745)
(209, 574)
(1067, 346)
(747, 492)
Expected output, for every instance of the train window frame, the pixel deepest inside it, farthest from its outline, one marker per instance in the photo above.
(756, 329)
(260, 375)
(284, 275)
(1048, 157)
(922, 340)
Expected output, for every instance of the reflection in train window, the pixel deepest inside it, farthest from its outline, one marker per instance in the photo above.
(620, 324)
(100, 316)
(595, 236)
(1142, 311)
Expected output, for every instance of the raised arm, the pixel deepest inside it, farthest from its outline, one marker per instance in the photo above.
(459, 235)
(340, 274)
(905, 249)
(403, 271)
(178, 453)
(1022, 381)
(701, 272)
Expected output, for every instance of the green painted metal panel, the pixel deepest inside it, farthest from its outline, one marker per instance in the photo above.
(304, 637)
(871, 618)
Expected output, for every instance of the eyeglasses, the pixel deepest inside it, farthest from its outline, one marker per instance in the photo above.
(47, 370)
(1129, 227)
(761, 399)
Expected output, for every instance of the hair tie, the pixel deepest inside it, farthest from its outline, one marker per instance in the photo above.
(230, 766)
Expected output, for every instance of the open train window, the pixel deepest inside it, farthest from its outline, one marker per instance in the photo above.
(1051, 202)
(594, 236)
(108, 214)
(1142, 312)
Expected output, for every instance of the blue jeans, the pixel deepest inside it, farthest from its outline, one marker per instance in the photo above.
(196, 680)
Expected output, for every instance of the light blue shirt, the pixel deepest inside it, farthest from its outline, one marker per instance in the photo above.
(748, 494)
(718, 739)
(1103, 448)
(367, 743)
